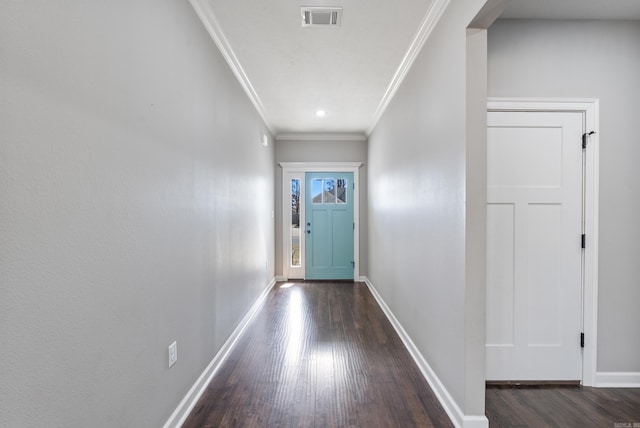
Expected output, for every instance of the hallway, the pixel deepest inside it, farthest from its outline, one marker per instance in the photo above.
(319, 354)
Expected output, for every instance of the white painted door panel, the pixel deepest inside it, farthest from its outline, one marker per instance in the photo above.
(534, 259)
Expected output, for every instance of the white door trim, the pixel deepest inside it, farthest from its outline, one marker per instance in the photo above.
(590, 107)
(289, 168)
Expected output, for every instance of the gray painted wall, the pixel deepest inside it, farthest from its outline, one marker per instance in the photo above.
(321, 151)
(418, 209)
(476, 220)
(136, 210)
(597, 59)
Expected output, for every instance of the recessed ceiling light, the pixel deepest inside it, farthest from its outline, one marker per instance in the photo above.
(321, 113)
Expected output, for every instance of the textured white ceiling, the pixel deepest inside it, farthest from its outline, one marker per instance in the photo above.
(296, 71)
(573, 9)
(290, 72)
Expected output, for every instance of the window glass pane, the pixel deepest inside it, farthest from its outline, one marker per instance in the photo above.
(329, 191)
(295, 222)
(316, 190)
(341, 192)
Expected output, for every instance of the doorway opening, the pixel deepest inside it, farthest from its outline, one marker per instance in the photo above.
(324, 223)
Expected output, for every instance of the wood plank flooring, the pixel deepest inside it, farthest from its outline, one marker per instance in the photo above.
(563, 407)
(319, 355)
(324, 355)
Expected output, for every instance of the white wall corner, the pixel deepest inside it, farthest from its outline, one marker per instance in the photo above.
(491, 11)
(617, 380)
(189, 401)
(442, 394)
(475, 422)
(475, 224)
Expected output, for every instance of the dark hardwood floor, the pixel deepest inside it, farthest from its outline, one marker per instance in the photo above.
(324, 355)
(563, 407)
(319, 355)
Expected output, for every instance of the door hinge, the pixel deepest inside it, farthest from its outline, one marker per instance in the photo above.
(584, 138)
(584, 241)
(582, 340)
(354, 226)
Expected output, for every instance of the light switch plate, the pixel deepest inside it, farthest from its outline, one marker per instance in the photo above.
(173, 353)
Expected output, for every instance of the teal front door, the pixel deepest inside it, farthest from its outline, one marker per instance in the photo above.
(329, 225)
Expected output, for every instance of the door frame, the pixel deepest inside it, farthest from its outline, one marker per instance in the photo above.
(590, 109)
(298, 170)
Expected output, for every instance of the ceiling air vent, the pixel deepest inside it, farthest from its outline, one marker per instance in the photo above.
(321, 16)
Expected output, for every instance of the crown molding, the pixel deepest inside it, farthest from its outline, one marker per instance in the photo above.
(208, 18)
(321, 137)
(320, 166)
(431, 18)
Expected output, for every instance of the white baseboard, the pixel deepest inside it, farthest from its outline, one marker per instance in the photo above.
(617, 380)
(281, 278)
(458, 418)
(180, 414)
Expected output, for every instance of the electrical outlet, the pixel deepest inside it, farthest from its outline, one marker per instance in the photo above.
(173, 353)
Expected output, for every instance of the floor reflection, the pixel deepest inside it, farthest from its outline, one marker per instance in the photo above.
(294, 326)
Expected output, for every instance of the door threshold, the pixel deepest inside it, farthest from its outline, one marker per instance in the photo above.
(532, 384)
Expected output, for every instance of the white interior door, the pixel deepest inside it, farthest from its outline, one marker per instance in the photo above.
(534, 254)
